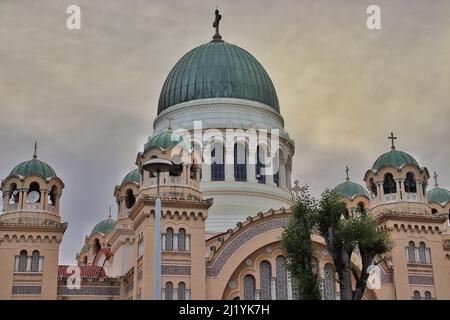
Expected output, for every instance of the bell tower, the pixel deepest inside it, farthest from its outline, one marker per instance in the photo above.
(30, 231)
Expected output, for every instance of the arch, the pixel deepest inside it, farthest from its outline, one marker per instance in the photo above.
(35, 261)
(35, 187)
(169, 239)
(329, 289)
(416, 295)
(411, 252)
(130, 199)
(240, 162)
(181, 291)
(249, 287)
(14, 194)
(281, 281)
(361, 206)
(169, 290)
(427, 295)
(23, 257)
(260, 164)
(389, 185)
(434, 211)
(217, 162)
(97, 246)
(265, 270)
(410, 183)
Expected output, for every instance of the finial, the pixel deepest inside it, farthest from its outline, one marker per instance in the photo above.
(109, 214)
(296, 189)
(436, 184)
(392, 138)
(217, 36)
(346, 171)
(35, 150)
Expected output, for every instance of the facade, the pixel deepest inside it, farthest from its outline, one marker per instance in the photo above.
(225, 202)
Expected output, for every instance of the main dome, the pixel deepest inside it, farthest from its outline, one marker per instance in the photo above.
(217, 70)
(33, 166)
(394, 158)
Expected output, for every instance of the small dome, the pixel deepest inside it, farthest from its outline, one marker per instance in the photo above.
(33, 166)
(439, 195)
(132, 176)
(394, 158)
(167, 140)
(350, 189)
(104, 227)
(217, 70)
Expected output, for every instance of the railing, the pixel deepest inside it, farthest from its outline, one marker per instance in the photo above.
(410, 196)
(170, 181)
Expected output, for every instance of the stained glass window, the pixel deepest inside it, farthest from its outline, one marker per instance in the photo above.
(181, 291)
(422, 253)
(281, 278)
(427, 295)
(217, 163)
(411, 252)
(182, 240)
(35, 261)
(23, 261)
(329, 291)
(169, 290)
(265, 276)
(169, 239)
(249, 287)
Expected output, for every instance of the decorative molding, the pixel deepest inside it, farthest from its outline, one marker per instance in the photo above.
(89, 291)
(174, 270)
(26, 290)
(423, 280)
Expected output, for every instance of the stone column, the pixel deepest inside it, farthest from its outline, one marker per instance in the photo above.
(188, 242)
(42, 200)
(188, 173)
(57, 198)
(398, 183)
(380, 191)
(184, 174)
(419, 191)
(175, 242)
(206, 172)
(21, 199)
(197, 175)
(6, 197)
(282, 174)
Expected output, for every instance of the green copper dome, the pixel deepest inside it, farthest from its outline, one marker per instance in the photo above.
(439, 195)
(167, 140)
(132, 176)
(104, 227)
(394, 158)
(217, 70)
(350, 189)
(33, 166)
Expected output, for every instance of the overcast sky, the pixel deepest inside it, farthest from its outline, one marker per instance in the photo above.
(89, 97)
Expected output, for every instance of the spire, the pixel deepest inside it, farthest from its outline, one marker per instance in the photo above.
(346, 171)
(392, 138)
(35, 150)
(217, 37)
(435, 176)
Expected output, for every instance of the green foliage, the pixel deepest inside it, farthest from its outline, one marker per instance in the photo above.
(298, 247)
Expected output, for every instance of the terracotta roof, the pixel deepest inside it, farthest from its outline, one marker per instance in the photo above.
(85, 271)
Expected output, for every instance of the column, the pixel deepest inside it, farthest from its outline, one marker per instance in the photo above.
(399, 192)
(380, 191)
(188, 173)
(251, 172)
(184, 174)
(273, 288)
(6, 197)
(175, 292)
(175, 242)
(419, 191)
(282, 174)
(163, 242)
(21, 196)
(188, 242)
(257, 294)
(57, 197)
(197, 175)
(41, 200)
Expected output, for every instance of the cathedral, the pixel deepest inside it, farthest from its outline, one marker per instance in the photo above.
(219, 166)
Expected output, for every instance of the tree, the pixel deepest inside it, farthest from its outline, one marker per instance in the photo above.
(298, 247)
(348, 233)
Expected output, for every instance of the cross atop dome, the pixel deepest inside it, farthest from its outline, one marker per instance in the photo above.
(35, 150)
(435, 176)
(347, 171)
(217, 37)
(392, 138)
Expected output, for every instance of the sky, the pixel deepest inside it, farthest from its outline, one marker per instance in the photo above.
(89, 96)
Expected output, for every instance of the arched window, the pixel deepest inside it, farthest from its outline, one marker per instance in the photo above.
(97, 246)
(410, 183)
(411, 252)
(265, 270)
(23, 261)
(181, 291)
(169, 239)
(329, 290)
(281, 278)
(422, 252)
(217, 163)
(389, 185)
(260, 164)
(361, 206)
(276, 169)
(182, 240)
(35, 261)
(52, 196)
(416, 295)
(434, 211)
(130, 199)
(249, 287)
(85, 261)
(34, 187)
(427, 295)
(373, 188)
(169, 290)
(240, 162)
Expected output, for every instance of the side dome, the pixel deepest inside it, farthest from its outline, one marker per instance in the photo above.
(350, 189)
(34, 166)
(104, 227)
(439, 195)
(394, 158)
(132, 176)
(217, 70)
(167, 140)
